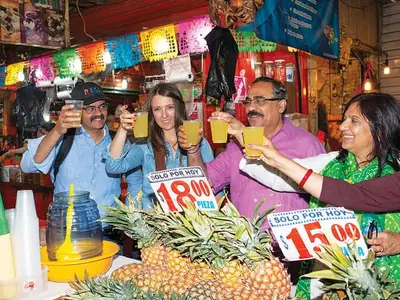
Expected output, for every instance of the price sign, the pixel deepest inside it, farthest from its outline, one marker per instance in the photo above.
(301, 233)
(175, 186)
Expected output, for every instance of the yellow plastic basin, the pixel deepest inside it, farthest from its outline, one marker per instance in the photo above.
(65, 271)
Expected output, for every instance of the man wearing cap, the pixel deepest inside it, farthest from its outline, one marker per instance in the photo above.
(83, 166)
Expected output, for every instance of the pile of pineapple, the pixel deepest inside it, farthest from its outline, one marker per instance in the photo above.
(197, 255)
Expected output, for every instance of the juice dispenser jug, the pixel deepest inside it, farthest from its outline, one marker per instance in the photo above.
(73, 231)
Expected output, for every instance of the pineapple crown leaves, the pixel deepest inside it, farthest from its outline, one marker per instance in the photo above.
(131, 221)
(356, 277)
(105, 288)
(258, 220)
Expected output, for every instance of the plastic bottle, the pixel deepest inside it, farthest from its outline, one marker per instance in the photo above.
(7, 272)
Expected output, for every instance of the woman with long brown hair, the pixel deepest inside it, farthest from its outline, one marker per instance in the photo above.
(160, 150)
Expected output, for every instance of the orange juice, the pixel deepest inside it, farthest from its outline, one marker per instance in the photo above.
(219, 131)
(254, 136)
(192, 131)
(78, 105)
(141, 127)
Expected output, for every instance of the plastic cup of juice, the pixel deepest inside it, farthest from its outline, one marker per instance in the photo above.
(192, 131)
(141, 127)
(254, 136)
(78, 105)
(219, 131)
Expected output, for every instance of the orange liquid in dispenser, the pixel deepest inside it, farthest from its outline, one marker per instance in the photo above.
(67, 251)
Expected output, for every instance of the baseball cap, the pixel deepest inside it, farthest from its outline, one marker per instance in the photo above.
(89, 92)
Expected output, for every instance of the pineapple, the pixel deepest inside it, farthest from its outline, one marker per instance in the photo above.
(205, 290)
(238, 252)
(202, 270)
(127, 272)
(357, 279)
(132, 220)
(228, 254)
(155, 255)
(176, 262)
(112, 288)
(151, 278)
(179, 282)
(231, 275)
(269, 280)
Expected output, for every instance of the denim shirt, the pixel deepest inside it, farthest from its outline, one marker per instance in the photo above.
(141, 154)
(84, 166)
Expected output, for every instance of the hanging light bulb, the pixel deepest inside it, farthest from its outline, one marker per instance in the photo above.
(124, 84)
(21, 76)
(367, 85)
(386, 68)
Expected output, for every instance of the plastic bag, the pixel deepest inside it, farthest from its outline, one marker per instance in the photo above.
(27, 112)
(223, 52)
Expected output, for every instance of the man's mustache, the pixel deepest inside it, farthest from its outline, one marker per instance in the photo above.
(92, 118)
(254, 113)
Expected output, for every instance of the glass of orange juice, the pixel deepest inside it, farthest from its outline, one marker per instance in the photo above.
(219, 131)
(192, 131)
(254, 136)
(141, 127)
(78, 105)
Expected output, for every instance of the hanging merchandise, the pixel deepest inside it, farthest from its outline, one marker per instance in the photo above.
(125, 51)
(41, 70)
(233, 14)
(13, 73)
(27, 112)
(67, 63)
(54, 28)
(192, 33)
(247, 41)
(159, 43)
(223, 53)
(10, 28)
(178, 69)
(2, 75)
(32, 25)
(92, 58)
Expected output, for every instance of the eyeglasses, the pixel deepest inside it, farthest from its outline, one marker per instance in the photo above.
(91, 109)
(259, 100)
(372, 227)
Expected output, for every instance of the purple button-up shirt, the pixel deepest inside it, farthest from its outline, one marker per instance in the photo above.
(246, 192)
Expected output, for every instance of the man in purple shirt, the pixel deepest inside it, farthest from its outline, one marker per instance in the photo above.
(265, 107)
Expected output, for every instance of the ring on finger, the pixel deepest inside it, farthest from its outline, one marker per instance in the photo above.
(381, 250)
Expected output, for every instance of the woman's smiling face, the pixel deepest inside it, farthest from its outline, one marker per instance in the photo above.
(356, 133)
(163, 109)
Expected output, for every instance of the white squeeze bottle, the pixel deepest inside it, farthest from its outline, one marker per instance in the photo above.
(26, 241)
(7, 271)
